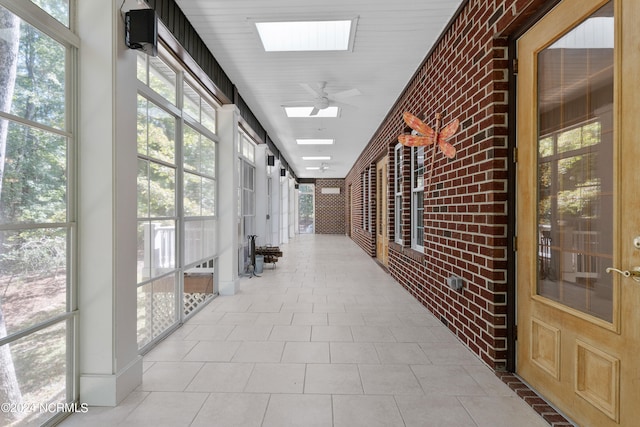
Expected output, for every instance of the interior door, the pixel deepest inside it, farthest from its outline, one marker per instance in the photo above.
(382, 233)
(579, 210)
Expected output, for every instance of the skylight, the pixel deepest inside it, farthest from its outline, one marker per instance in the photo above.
(305, 111)
(315, 141)
(297, 36)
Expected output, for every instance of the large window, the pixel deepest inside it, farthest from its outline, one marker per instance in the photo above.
(37, 219)
(247, 196)
(177, 193)
(417, 198)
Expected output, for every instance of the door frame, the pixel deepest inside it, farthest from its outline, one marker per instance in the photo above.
(512, 159)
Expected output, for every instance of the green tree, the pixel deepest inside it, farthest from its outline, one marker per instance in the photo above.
(10, 25)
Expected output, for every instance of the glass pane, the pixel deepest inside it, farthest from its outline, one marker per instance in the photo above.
(32, 82)
(163, 190)
(208, 197)
(191, 152)
(161, 134)
(59, 9)
(418, 167)
(143, 115)
(208, 116)
(33, 276)
(210, 241)
(162, 79)
(163, 247)
(34, 184)
(208, 157)
(192, 194)
(191, 102)
(419, 219)
(193, 235)
(575, 167)
(141, 69)
(143, 188)
(35, 370)
(156, 248)
(144, 250)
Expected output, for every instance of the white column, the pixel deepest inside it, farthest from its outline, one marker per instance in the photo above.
(228, 179)
(109, 364)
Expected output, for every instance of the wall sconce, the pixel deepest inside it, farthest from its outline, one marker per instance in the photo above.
(271, 160)
(283, 172)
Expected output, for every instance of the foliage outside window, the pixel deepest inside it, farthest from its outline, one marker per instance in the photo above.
(306, 208)
(59, 9)
(37, 319)
(198, 108)
(417, 198)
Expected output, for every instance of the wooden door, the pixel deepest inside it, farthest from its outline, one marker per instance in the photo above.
(579, 210)
(382, 233)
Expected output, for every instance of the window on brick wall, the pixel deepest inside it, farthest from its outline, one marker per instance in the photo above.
(367, 212)
(397, 189)
(369, 201)
(365, 202)
(417, 198)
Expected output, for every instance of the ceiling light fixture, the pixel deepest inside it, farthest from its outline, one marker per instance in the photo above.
(299, 36)
(315, 141)
(306, 112)
(316, 157)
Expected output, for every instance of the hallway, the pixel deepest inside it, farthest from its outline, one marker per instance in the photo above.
(326, 338)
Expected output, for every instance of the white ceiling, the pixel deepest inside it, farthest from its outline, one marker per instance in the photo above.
(392, 39)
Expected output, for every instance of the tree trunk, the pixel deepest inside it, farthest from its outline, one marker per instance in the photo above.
(9, 42)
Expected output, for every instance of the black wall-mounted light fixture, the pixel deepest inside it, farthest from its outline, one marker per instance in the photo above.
(297, 186)
(271, 160)
(142, 30)
(283, 172)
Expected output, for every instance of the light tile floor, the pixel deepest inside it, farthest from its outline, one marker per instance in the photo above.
(327, 338)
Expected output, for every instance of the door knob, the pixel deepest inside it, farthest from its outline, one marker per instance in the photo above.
(634, 273)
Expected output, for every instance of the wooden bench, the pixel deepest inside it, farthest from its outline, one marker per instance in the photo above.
(270, 253)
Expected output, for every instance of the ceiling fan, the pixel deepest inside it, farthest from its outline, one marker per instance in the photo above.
(322, 98)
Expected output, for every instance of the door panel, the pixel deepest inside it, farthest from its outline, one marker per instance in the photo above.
(382, 236)
(578, 209)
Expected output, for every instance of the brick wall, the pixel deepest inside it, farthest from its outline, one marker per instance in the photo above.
(465, 77)
(330, 214)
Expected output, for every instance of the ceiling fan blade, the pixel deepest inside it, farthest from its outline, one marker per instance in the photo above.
(298, 104)
(345, 94)
(340, 104)
(312, 90)
(314, 112)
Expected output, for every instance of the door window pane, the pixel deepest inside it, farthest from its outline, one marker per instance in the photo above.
(575, 167)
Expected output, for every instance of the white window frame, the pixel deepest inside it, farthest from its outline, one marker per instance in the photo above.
(397, 183)
(43, 22)
(417, 188)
